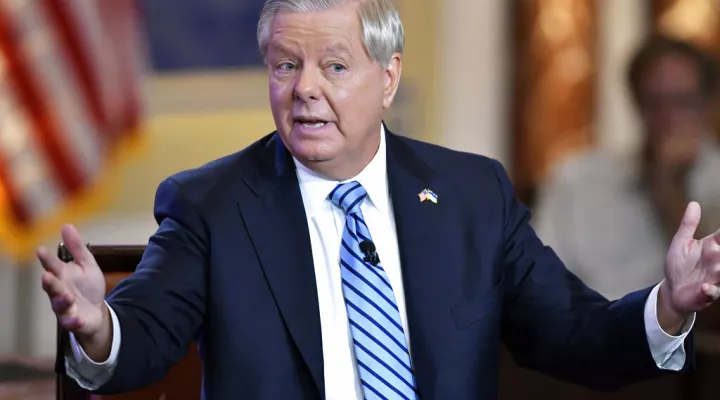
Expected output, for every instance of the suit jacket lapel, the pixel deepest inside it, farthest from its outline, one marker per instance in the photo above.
(420, 232)
(276, 221)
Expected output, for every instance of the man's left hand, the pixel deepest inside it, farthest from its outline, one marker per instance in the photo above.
(692, 273)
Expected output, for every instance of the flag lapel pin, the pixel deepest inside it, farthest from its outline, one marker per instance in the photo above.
(429, 195)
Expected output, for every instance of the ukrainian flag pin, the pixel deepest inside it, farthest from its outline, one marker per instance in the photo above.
(429, 195)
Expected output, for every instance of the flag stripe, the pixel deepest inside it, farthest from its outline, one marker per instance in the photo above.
(61, 87)
(32, 182)
(67, 28)
(28, 92)
(95, 22)
(18, 212)
(121, 17)
(9, 193)
(58, 85)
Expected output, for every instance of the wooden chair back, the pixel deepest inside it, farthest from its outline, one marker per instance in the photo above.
(182, 382)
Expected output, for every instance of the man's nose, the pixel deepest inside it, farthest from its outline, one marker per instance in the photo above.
(307, 86)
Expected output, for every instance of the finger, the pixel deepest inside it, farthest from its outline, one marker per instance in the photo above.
(52, 285)
(70, 323)
(711, 291)
(689, 223)
(75, 244)
(61, 305)
(711, 252)
(714, 271)
(49, 261)
(715, 237)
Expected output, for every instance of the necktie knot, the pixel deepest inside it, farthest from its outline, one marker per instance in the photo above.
(348, 196)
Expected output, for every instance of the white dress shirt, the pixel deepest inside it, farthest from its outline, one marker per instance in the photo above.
(326, 224)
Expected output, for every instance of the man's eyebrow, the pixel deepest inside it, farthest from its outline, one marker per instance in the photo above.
(280, 48)
(337, 48)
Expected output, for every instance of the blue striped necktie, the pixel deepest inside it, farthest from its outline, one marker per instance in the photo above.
(379, 341)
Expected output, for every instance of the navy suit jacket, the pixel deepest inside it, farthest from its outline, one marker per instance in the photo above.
(231, 267)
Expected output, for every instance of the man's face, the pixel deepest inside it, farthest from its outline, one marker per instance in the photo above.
(673, 109)
(326, 93)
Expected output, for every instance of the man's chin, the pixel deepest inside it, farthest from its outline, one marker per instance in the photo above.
(318, 159)
(313, 154)
(312, 160)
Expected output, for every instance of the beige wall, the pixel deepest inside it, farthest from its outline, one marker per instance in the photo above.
(474, 77)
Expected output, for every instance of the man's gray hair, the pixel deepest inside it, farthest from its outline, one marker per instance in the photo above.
(382, 30)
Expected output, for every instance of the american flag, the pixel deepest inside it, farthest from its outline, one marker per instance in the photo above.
(70, 75)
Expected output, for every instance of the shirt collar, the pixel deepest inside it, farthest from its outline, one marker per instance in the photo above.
(315, 188)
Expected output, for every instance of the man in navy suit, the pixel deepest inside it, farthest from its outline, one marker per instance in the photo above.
(334, 259)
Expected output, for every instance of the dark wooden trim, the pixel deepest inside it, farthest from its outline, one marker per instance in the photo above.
(110, 258)
(66, 387)
(549, 121)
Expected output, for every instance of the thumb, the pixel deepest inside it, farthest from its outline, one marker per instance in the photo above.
(75, 244)
(689, 223)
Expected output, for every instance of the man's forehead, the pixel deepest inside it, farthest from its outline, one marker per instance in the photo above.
(341, 13)
(323, 38)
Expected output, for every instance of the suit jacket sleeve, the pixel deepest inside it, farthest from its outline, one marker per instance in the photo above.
(161, 306)
(555, 324)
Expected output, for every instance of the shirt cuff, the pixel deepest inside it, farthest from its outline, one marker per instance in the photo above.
(90, 374)
(668, 351)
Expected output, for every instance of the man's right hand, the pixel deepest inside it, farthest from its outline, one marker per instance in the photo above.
(77, 295)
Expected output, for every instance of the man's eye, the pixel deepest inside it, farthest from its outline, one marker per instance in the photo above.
(337, 68)
(286, 67)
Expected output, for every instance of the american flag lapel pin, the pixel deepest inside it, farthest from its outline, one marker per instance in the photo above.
(429, 195)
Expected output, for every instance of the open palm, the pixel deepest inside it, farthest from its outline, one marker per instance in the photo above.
(76, 289)
(692, 267)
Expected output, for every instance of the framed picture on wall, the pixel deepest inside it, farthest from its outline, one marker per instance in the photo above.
(188, 35)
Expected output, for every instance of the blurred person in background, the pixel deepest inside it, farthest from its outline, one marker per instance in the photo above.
(609, 216)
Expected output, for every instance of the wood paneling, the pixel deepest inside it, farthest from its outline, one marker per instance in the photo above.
(697, 21)
(555, 68)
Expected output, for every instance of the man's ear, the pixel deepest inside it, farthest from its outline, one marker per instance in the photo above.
(392, 74)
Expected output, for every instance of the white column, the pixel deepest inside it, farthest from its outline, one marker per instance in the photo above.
(474, 77)
(623, 25)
